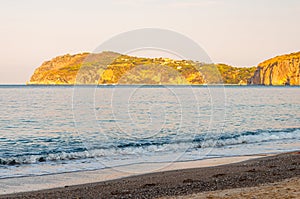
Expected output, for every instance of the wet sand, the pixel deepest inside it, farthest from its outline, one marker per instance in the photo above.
(185, 183)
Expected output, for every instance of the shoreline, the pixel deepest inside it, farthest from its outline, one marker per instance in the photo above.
(180, 178)
(59, 180)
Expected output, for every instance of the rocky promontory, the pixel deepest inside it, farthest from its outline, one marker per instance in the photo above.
(114, 68)
(280, 70)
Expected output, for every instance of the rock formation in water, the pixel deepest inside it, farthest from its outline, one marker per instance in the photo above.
(280, 70)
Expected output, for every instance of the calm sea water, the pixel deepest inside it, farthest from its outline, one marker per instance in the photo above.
(45, 130)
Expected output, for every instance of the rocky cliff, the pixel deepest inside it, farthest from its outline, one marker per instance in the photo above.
(64, 69)
(280, 70)
(114, 68)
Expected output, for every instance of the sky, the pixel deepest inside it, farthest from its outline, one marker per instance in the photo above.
(235, 32)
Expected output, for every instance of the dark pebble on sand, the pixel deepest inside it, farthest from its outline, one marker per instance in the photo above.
(219, 175)
(149, 185)
(188, 181)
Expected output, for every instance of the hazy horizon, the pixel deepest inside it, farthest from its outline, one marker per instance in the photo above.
(239, 33)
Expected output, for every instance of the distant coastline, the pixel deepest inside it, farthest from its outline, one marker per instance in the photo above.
(110, 68)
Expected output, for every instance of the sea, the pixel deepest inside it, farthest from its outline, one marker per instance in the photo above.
(57, 129)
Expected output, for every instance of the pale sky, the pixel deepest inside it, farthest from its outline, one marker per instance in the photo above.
(236, 32)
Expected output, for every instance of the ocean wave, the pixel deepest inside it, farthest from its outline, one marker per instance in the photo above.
(123, 148)
(248, 137)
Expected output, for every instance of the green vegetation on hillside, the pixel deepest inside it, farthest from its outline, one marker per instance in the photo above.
(114, 68)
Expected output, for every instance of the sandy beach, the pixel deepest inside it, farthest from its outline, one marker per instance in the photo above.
(288, 188)
(43, 182)
(241, 180)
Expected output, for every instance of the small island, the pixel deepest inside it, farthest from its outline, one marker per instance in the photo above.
(114, 68)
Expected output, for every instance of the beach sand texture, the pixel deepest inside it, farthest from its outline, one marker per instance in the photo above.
(286, 189)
